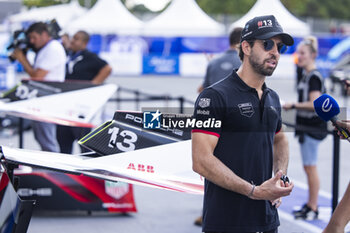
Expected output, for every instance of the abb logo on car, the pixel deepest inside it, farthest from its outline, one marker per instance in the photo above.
(141, 168)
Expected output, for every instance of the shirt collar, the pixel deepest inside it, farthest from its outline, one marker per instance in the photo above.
(231, 51)
(242, 86)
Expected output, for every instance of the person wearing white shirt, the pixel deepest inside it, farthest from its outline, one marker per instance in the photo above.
(49, 65)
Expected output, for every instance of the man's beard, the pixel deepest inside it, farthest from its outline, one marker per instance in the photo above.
(259, 68)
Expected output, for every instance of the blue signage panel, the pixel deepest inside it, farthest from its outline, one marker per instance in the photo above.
(155, 64)
(204, 44)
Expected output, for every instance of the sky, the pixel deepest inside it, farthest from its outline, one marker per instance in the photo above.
(153, 5)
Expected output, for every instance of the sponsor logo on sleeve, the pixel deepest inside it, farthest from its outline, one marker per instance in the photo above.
(203, 112)
(204, 102)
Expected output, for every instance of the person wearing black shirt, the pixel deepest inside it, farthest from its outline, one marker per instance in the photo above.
(81, 65)
(310, 87)
(238, 158)
(220, 67)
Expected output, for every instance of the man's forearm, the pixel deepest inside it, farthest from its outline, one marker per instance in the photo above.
(102, 75)
(341, 215)
(210, 167)
(27, 67)
(214, 170)
(281, 153)
(218, 173)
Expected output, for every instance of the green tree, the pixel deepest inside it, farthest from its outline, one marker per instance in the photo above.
(83, 2)
(319, 8)
(140, 8)
(236, 7)
(40, 3)
(305, 8)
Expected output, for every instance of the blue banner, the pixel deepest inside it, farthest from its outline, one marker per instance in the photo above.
(153, 64)
(163, 45)
(204, 44)
(95, 43)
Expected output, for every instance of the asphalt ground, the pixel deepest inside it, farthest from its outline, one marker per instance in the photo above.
(166, 211)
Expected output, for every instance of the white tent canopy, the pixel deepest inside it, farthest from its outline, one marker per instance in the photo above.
(63, 13)
(183, 18)
(289, 22)
(107, 17)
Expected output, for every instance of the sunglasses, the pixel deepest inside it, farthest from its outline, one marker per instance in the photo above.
(269, 44)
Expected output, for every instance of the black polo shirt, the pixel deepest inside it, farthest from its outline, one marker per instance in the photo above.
(83, 65)
(245, 146)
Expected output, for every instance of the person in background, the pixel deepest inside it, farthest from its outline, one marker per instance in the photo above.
(309, 88)
(65, 42)
(81, 65)
(341, 215)
(220, 67)
(298, 69)
(49, 65)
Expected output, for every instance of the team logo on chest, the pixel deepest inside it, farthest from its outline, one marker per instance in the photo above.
(246, 109)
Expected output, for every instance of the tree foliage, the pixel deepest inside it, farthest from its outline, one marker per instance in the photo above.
(303, 8)
(83, 2)
(40, 3)
(319, 8)
(226, 7)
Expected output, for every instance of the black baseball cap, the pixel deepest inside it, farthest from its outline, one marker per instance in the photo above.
(265, 27)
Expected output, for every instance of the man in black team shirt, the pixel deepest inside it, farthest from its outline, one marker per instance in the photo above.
(81, 65)
(238, 159)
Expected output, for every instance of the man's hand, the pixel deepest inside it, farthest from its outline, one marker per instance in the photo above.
(18, 55)
(35, 74)
(347, 86)
(277, 203)
(288, 106)
(273, 189)
(344, 124)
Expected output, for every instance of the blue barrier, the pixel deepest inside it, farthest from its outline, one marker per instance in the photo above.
(177, 45)
(161, 54)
